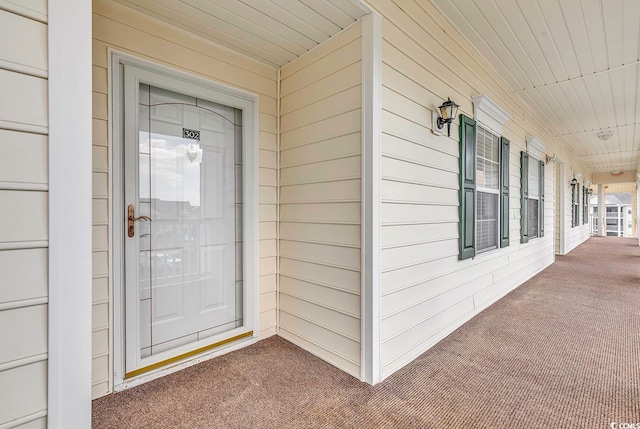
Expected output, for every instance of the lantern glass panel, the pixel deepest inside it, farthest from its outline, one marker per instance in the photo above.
(444, 113)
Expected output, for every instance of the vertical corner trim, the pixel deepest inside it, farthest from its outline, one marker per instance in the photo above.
(370, 366)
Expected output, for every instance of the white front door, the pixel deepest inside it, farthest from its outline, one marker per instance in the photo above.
(183, 220)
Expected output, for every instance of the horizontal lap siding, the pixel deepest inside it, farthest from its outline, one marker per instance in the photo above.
(24, 220)
(128, 31)
(426, 291)
(320, 192)
(576, 235)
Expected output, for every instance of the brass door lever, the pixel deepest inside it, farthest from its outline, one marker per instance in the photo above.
(131, 219)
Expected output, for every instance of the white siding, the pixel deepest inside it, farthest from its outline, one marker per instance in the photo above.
(320, 201)
(557, 218)
(426, 291)
(574, 236)
(23, 218)
(120, 28)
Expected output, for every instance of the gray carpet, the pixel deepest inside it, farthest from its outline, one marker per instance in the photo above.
(561, 351)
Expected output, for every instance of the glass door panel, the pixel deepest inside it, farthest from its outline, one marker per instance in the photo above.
(188, 256)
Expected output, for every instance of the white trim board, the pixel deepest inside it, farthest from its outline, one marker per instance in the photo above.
(244, 100)
(371, 368)
(70, 207)
(536, 147)
(489, 113)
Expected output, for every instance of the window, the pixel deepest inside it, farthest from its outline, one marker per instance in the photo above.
(484, 189)
(575, 211)
(531, 197)
(488, 189)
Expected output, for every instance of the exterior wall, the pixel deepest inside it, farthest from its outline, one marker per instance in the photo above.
(426, 291)
(558, 201)
(125, 30)
(574, 236)
(23, 218)
(320, 190)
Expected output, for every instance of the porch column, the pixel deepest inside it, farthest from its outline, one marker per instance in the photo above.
(635, 224)
(69, 372)
(602, 216)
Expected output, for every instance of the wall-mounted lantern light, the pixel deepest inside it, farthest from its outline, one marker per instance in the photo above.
(447, 111)
(552, 159)
(573, 182)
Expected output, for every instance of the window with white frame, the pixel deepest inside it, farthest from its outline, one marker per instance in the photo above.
(575, 201)
(534, 197)
(484, 180)
(531, 197)
(488, 189)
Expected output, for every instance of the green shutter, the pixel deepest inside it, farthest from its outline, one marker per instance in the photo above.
(541, 202)
(578, 204)
(524, 197)
(504, 191)
(573, 201)
(467, 225)
(582, 208)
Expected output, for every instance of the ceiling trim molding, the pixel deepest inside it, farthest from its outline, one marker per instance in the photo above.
(488, 113)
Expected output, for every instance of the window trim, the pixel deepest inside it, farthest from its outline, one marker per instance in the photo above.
(484, 190)
(575, 205)
(467, 193)
(539, 197)
(525, 163)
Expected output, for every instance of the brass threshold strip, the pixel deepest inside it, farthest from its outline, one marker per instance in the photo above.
(185, 355)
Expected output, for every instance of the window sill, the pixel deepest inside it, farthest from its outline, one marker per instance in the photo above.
(487, 253)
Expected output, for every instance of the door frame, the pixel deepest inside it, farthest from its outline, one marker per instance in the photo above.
(250, 115)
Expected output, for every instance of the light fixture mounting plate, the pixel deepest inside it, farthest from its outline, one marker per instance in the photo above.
(434, 124)
(605, 135)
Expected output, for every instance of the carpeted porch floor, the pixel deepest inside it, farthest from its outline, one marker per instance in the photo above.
(561, 351)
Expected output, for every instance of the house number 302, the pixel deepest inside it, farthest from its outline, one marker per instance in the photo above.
(190, 134)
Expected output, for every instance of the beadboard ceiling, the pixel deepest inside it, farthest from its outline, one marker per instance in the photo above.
(575, 61)
(272, 31)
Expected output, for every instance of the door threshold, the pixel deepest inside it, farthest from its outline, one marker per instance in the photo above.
(186, 360)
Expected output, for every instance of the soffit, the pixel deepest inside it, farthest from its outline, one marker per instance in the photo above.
(574, 61)
(272, 31)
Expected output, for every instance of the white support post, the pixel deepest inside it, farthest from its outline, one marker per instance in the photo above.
(70, 86)
(636, 224)
(561, 188)
(602, 215)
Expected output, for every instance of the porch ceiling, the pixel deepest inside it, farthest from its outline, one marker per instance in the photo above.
(574, 61)
(272, 31)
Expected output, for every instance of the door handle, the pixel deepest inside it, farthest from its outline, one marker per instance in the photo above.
(131, 219)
